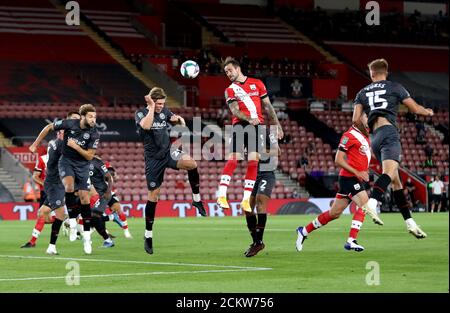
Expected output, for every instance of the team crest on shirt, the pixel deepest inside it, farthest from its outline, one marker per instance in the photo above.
(72, 132)
(363, 149)
(252, 86)
(86, 136)
(162, 116)
(91, 166)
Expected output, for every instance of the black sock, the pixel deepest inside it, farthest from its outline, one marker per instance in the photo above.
(251, 224)
(105, 218)
(99, 225)
(262, 218)
(56, 225)
(71, 204)
(402, 204)
(194, 180)
(150, 209)
(87, 216)
(380, 186)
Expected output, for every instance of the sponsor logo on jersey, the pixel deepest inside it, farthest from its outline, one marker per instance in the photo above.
(158, 125)
(363, 149)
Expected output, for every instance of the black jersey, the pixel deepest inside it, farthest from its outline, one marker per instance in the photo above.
(54, 151)
(157, 139)
(97, 173)
(87, 138)
(381, 98)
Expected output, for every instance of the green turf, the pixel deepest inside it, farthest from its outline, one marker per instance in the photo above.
(406, 264)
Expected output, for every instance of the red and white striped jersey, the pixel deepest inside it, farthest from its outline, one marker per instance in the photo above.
(248, 94)
(357, 147)
(41, 166)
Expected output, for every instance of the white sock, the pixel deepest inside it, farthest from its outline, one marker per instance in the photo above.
(35, 233)
(248, 188)
(52, 246)
(109, 240)
(72, 222)
(148, 234)
(350, 239)
(87, 235)
(223, 186)
(410, 222)
(196, 197)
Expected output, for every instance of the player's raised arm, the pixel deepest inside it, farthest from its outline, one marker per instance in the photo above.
(416, 108)
(177, 119)
(146, 122)
(357, 113)
(44, 132)
(273, 116)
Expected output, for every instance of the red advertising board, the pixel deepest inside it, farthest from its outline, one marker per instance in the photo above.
(27, 211)
(26, 157)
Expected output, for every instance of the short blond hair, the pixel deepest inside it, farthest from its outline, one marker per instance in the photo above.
(157, 93)
(379, 66)
(86, 108)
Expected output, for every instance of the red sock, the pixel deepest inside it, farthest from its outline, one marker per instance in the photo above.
(52, 219)
(229, 167)
(227, 173)
(123, 218)
(37, 229)
(358, 219)
(320, 221)
(250, 177)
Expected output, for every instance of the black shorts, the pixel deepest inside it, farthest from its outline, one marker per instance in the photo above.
(247, 136)
(155, 168)
(80, 172)
(114, 199)
(437, 199)
(264, 184)
(386, 143)
(101, 204)
(55, 195)
(349, 187)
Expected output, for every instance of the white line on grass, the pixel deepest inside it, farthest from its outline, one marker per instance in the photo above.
(135, 274)
(136, 262)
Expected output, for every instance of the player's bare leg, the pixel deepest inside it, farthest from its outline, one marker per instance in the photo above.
(336, 210)
(116, 208)
(250, 178)
(225, 179)
(257, 224)
(189, 164)
(38, 227)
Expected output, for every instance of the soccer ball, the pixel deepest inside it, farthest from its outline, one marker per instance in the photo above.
(189, 69)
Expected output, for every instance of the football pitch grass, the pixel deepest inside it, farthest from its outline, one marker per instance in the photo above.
(206, 255)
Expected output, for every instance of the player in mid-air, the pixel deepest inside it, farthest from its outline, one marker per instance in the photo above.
(47, 208)
(81, 139)
(380, 101)
(245, 97)
(152, 124)
(353, 157)
(262, 191)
